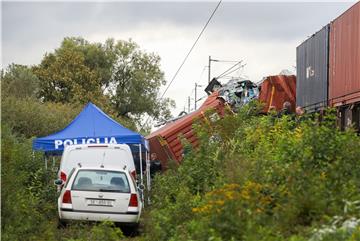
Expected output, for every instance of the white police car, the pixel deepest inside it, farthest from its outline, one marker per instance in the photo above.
(100, 193)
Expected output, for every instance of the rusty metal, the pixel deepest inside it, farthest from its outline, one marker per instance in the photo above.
(173, 132)
(344, 58)
(275, 90)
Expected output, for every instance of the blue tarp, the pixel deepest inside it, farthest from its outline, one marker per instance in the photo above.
(91, 126)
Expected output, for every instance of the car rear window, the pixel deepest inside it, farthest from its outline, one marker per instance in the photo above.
(101, 181)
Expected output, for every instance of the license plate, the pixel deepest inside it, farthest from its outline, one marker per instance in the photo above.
(100, 202)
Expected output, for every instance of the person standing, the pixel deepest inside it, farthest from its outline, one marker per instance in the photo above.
(286, 110)
(299, 111)
(155, 165)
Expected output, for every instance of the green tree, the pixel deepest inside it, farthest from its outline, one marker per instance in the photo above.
(136, 81)
(19, 81)
(114, 75)
(78, 71)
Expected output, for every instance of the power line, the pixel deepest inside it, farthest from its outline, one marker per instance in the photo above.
(229, 69)
(226, 61)
(239, 67)
(188, 54)
(192, 47)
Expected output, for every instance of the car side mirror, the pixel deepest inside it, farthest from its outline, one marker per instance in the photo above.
(58, 182)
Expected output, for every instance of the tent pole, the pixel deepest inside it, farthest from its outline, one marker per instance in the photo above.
(141, 168)
(53, 163)
(148, 179)
(141, 174)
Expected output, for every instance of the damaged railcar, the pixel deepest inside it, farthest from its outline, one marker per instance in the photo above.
(277, 89)
(274, 91)
(166, 141)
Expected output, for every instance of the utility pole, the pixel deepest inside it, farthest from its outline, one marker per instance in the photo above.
(195, 95)
(209, 69)
(188, 104)
(209, 73)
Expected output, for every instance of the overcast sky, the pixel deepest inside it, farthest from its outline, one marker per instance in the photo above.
(263, 35)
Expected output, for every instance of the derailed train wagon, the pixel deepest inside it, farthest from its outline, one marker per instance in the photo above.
(166, 141)
(274, 91)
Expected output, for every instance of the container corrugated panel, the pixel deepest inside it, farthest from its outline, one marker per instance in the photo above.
(166, 141)
(312, 58)
(275, 90)
(344, 54)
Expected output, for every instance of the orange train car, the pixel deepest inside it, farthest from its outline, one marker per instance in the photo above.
(275, 90)
(166, 141)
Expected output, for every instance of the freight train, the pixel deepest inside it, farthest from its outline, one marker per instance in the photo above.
(328, 75)
(328, 69)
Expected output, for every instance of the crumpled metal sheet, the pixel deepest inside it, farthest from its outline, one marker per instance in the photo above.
(238, 92)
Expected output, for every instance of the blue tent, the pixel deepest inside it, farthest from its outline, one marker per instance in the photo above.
(91, 126)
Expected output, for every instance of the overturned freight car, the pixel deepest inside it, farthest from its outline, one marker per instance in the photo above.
(166, 141)
(274, 91)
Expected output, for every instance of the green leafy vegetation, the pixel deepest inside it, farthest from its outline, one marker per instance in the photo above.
(262, 178)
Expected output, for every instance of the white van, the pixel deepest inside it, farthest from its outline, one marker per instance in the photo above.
(118, 155)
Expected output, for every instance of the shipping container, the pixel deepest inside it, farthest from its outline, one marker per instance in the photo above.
(344, 58)
(312, 60)
(275, 90)
(166, 141)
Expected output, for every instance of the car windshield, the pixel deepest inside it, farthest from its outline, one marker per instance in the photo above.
(101, 181)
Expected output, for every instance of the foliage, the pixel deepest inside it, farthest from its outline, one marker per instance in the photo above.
(135, 72)
(104, 231)
(75, 72)
(29, 117)
(28, 197)
(259, 178)
(19, 81)
(115, 76)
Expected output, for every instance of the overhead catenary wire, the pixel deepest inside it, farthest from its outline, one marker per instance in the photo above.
(192, 47)
(187, 55)
(229, 69)
(226, 61)
(236, 69)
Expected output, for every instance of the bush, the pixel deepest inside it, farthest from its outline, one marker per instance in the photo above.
(28, 117)
(28, 196)
(259, 178)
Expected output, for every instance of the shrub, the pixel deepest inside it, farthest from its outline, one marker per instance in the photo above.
(259, 178)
